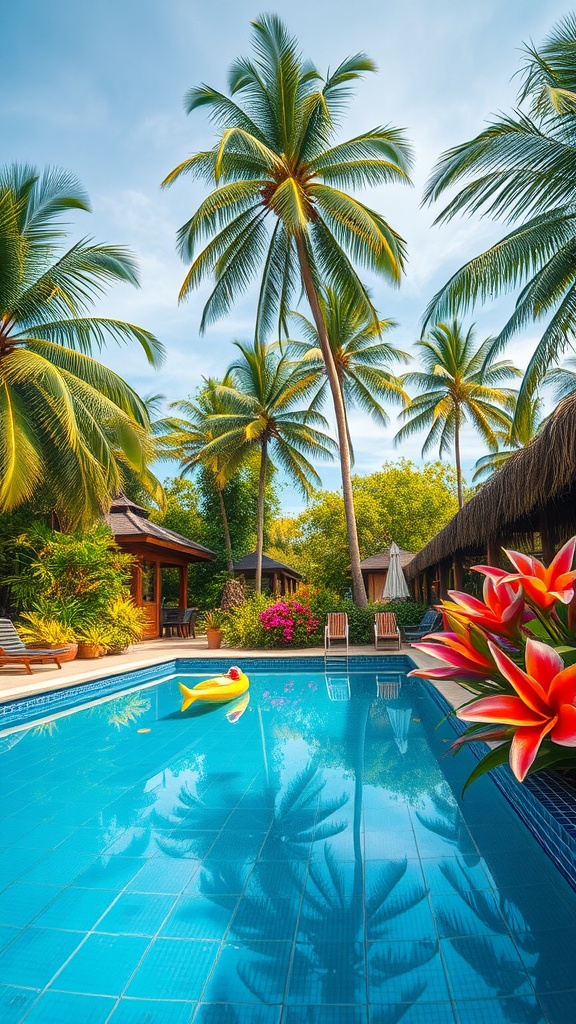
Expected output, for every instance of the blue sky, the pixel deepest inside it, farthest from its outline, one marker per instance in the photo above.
(97, 88)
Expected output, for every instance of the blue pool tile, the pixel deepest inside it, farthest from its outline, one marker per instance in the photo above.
(328, 973)
(551, 963)
(59, 868)
(413, 1013)
(265, 918)
(76, 909)
(453, 875)
(472, 913)
(240, 846)
(249, 973)
(60, 1007)
(152, 1011)
(559, 1007)
(164, 875)
(504, 1011)
(197, 917)
(14, 1002)
(86, 840)
(102, 965)
(35, 956)
(536, 908)
(226, 878)
(109, 873)
(174, 969)
(236, 1013)
(136, 914)
(7, 934)
(275, 878)
(403, 917)
(20, 903)
(404, 971)
(15, 861)
(380, 845)
(484, 965)
(325, 1015)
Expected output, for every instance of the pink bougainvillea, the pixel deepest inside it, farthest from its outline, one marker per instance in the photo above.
(290, 620)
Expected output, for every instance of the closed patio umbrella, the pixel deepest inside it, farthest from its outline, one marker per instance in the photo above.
(395, 587)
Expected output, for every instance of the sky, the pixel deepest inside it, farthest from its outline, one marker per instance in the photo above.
(98, 89)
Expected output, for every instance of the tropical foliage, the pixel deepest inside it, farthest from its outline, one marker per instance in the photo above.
(68, 424)
(521, 168)
(460, 382)
(516, 652)
(280, 206)
(516, 436)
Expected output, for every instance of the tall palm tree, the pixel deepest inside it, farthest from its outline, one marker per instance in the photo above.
(459, 383)
(522, 167)
(562, 379)
(263, 412)
(517, 436)
(187, 439)
(68, 424)
(279, 204)
(361, 356)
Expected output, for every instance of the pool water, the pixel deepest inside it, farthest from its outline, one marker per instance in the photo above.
(303, 858)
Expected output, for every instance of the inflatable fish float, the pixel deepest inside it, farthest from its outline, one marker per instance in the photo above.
(218, 690)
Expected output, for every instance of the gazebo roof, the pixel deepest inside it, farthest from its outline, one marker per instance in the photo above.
(248, 563)
(129, 522)
(382, 560)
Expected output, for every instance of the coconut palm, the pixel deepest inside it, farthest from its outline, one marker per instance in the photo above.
(361, 356)
(263, 413)
(518, 435)
(562, 379)
(279, 204)
(69, 424)
(187, 438)
(521, 167)
(459, 383)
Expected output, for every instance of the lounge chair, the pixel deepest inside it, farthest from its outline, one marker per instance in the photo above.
(430, 621)
(336, 630)
(386, 632)
(14, 652)
(188, 624)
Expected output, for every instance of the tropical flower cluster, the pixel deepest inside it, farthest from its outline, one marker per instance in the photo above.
(290, 621)
(516, 652)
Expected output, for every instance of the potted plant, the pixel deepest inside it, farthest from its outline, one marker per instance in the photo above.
(94, 639)
(212, 621)
(42, 630)
(127, 624)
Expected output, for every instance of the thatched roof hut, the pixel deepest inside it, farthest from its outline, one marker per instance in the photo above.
(530, 502)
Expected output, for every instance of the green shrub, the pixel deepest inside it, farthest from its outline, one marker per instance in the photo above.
(243, 627)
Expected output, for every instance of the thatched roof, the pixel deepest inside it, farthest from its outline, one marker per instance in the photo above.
(540, 477)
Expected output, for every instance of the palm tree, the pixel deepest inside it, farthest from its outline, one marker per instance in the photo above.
(521, 167)
(261, 412)
(562, 379)
(459, 383)
(188, 436)
(517, 436)
(361, 356)
(69, 424)
(279, 204)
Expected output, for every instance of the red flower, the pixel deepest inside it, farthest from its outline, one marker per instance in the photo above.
(544, 586)
(501, 611)
(464, 661)
(545, 703)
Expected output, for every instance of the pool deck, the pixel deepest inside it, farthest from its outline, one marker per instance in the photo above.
(15, 681)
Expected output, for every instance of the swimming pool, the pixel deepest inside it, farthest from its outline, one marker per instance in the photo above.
(305, 859)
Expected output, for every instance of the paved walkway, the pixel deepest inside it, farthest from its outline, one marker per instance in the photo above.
(15, 681)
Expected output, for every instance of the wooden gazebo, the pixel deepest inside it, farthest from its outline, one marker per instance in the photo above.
(277, 577)
(155, 548)
(529, 504)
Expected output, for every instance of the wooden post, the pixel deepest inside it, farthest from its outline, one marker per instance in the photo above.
(493, 552)
(457, 570)
(183, 599)
(444, 577)
(547, 535)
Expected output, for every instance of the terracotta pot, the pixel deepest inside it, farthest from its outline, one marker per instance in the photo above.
(214, 637)
(69, 655)
(91, 651)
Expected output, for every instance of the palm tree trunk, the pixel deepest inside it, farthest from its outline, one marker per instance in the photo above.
(227, 539)
(358, 588)
(260, 516)
(457, 454)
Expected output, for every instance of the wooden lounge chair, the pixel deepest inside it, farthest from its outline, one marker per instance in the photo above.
(386, 632)
(430, 621)
(14, 652)
(336, 630)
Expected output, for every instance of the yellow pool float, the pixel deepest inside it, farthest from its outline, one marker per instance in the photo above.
(218, 690)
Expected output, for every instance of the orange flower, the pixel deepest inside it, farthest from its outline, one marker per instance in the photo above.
(501, 612)
(544, 586)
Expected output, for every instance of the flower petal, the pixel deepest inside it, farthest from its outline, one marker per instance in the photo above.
(526, 565)
(500, 709)
(564, 732)
(562, 561)
(563, 688)
(542, 663)
(528, 689)
(524, 747)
